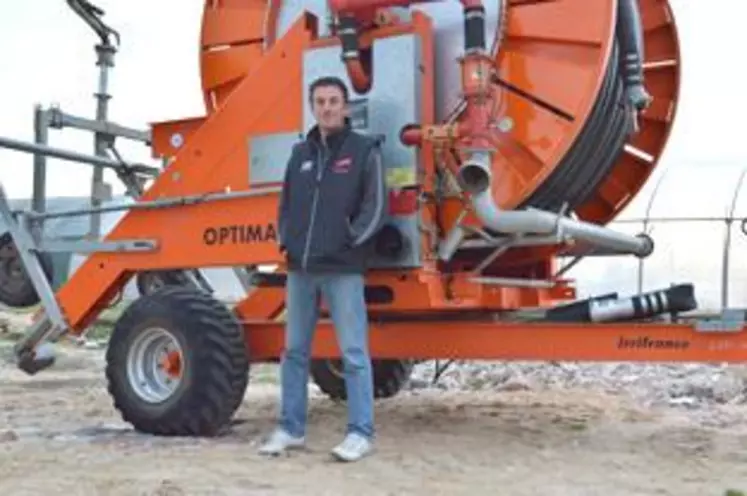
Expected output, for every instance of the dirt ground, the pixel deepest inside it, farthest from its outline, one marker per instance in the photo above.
(60, 435)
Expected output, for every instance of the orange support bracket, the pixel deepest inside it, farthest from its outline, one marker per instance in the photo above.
(169, 136)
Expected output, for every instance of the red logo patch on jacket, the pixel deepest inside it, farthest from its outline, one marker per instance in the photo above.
(342, 165)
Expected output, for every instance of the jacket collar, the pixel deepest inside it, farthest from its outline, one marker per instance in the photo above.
(334, 140)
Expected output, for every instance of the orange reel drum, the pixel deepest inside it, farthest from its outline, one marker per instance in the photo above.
(562, 137)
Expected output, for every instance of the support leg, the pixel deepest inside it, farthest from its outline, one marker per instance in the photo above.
(32, 358)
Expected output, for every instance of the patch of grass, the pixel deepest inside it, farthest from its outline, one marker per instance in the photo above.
(11, 336)
(264, 374)
(100, 331)
(734, 492)
(6, 351)
(578, 425)
(111, 315)
(19, 311)
(102, 327)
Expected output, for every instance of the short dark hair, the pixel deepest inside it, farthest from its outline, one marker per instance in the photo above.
(328, 81)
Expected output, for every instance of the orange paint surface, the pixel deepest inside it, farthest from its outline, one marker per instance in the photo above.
(251, 82)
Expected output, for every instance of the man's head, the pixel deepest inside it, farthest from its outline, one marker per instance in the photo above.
(329, 103)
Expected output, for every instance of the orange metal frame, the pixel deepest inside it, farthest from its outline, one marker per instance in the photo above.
(482, 340)
(245, 97)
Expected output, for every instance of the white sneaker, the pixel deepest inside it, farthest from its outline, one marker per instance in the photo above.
(279, 442)
(352, 448)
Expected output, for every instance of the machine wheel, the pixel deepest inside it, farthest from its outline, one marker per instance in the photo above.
(177, 364)
(150, 281)
(16, 288)
(389, 376)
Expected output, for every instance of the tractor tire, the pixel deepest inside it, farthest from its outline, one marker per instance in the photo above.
(150, 281)
(389, 377)
(194, 386)
(16, 288)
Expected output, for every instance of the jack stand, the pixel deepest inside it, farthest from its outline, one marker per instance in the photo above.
(32, 357)
(32, 360)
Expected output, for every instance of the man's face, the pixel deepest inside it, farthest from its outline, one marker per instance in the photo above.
(328, 106)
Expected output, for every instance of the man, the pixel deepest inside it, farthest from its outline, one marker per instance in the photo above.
(332, 205)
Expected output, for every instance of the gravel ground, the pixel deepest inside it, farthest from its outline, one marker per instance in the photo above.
(483, 428)
(696, 388)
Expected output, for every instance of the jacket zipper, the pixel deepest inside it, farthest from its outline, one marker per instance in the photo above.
(321, 164)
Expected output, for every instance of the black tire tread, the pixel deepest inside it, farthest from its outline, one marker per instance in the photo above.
(221, 363)
(28, 297)
(389, 377)
(169, 277)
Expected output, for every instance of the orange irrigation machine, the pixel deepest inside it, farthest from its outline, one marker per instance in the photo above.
(514, 130)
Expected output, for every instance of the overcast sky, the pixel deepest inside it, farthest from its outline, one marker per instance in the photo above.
(47, 57)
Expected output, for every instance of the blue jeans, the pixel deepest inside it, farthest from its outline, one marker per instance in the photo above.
(343, 294)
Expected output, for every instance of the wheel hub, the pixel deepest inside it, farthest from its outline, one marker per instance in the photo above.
(155, 365)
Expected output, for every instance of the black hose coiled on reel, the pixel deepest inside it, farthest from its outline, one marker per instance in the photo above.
(611, 121)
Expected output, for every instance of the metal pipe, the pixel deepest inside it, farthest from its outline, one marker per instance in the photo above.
(540, 222)
(74, 156)
(59, 119)
(537, 221)
(475, 174)
(475, 177)
(451, 243)
(514, 282)
(727, 243)
(84, 246)
(41, 137)
(156, 204)
(105, 61)
(680, 298)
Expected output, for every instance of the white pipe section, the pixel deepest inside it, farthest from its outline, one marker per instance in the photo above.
(540, 222)
(475, 178)
(451, 243)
